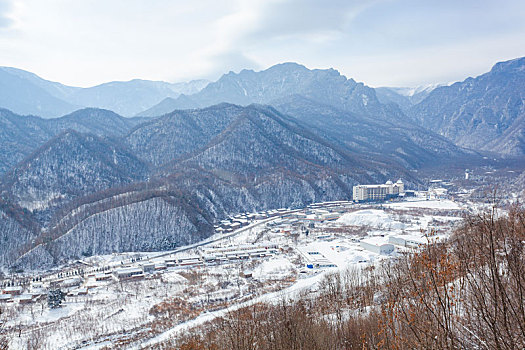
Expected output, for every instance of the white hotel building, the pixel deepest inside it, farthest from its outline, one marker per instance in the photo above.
(365, 193)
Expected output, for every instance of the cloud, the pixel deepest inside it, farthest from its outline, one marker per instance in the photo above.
(86, 42)
(231, 61)
(304, 18)
(5, 9)
(241, 36)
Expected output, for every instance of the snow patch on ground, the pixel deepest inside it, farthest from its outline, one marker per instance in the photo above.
(273, 269)
(431, 204)
(371, 217)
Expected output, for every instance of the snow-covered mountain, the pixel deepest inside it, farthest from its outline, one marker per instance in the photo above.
(22, 135)
(94, 182)
(68, 166)
(483, 113)
(325, 86)
(205, 164)
(127, 98)
(421, 90)
(26, 94)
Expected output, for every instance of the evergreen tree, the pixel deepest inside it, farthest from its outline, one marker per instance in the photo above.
(55, 298)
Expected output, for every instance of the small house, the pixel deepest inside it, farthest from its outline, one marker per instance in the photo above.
(4, 298)
(148, 267)
(15, 290)
(102, 277)
(25, 299)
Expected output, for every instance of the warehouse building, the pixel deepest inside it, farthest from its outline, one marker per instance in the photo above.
(377, 245)
(315, 259)
(409, 241)
(128, 273)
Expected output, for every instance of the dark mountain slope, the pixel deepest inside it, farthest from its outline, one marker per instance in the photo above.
(245, 141)
(96, 121)
(21, 135)
(69, 166)
(168, 138)
(17, 231)
(140, 219)
(260, 140)
(401, 142)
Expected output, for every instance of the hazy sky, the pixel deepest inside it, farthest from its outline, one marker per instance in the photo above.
(382, 43)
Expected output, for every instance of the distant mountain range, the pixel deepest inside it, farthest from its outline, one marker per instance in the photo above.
(94, 182)
(26, 93)
(484, 113)
(325, 86)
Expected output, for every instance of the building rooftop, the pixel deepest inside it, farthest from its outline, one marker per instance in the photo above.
(376, 240)
(13, 289)
(128, 270)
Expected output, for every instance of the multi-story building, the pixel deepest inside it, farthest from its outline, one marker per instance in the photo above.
(365, 193)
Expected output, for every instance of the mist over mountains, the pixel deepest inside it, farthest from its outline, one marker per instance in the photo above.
(26, 93)
(95, 182)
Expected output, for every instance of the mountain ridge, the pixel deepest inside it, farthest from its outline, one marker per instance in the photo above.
(21, 135)
(484, 113)
(26, 93)
(303, 136)
(248, 86)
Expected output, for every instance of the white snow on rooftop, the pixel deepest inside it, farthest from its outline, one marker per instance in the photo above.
(376, 240)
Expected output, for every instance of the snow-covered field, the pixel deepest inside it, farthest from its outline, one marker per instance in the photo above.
(261, 262)
(442, 204)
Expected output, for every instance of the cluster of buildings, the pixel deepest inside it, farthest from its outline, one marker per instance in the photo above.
(310, 217)
(13, 294)
(206, 255)
(317, 212)
(437, 189)
(240, 252)
(240, 220)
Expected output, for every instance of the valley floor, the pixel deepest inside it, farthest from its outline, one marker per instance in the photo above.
(134, 300)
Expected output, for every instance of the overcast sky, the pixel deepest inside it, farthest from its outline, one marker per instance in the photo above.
(381, 43)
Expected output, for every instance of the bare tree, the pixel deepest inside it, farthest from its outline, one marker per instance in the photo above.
(4, 341)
